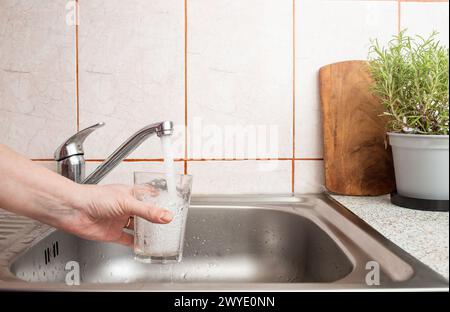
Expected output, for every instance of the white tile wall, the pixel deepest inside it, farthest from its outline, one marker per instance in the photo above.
(240, 72)
(131, 70)
(37, 76)
(309, 177)
(241, 177)
(123, 174)
(424, 18)
(240, 69)
(329, 31)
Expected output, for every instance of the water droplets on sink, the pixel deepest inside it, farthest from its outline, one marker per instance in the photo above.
(222, 245)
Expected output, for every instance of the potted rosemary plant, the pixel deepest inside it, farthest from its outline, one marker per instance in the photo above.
(411, 77)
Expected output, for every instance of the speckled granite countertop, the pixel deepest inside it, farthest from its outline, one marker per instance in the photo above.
(424, 235)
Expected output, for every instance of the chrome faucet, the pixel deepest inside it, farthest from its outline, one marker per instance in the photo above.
(70, 155)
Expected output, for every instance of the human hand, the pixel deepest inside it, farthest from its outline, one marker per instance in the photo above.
(102, 212)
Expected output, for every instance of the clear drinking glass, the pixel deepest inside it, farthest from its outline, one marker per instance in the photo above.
(161, 243)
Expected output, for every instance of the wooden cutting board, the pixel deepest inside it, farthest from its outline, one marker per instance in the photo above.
(357, 161)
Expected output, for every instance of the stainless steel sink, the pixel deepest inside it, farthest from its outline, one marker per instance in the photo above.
(232, 243)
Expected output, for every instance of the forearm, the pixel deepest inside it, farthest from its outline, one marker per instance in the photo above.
(34, 191)
(91, 212)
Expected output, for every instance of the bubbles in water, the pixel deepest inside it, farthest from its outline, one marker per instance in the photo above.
(162, 239)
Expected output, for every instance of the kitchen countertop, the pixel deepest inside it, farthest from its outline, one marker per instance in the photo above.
(423, 234)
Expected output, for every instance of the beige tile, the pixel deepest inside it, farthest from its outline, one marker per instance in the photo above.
(37, 76)
(240, 75)
(241, 177)
(423, 18)
(123, 174)
(131, 70)
(309, 177)
(327, 32)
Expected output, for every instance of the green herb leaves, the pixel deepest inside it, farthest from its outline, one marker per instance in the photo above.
(411, 77)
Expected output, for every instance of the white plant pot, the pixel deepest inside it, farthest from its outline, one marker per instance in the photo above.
(421, 165)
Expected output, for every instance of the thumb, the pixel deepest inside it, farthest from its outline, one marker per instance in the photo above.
(148, 211)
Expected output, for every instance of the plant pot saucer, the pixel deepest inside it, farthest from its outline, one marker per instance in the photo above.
(419, 204)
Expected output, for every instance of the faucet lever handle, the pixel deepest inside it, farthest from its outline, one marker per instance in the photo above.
(74, 145)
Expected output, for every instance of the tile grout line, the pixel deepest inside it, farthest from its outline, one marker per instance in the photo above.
(293, 96)
(239, 159)
(77, 75)
(185, 86)
(186, 159)
(137, 160)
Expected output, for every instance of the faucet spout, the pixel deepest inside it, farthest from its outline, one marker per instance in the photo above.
(161, 129)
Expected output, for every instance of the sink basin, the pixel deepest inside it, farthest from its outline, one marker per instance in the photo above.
(222, 245)
(234, 243)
